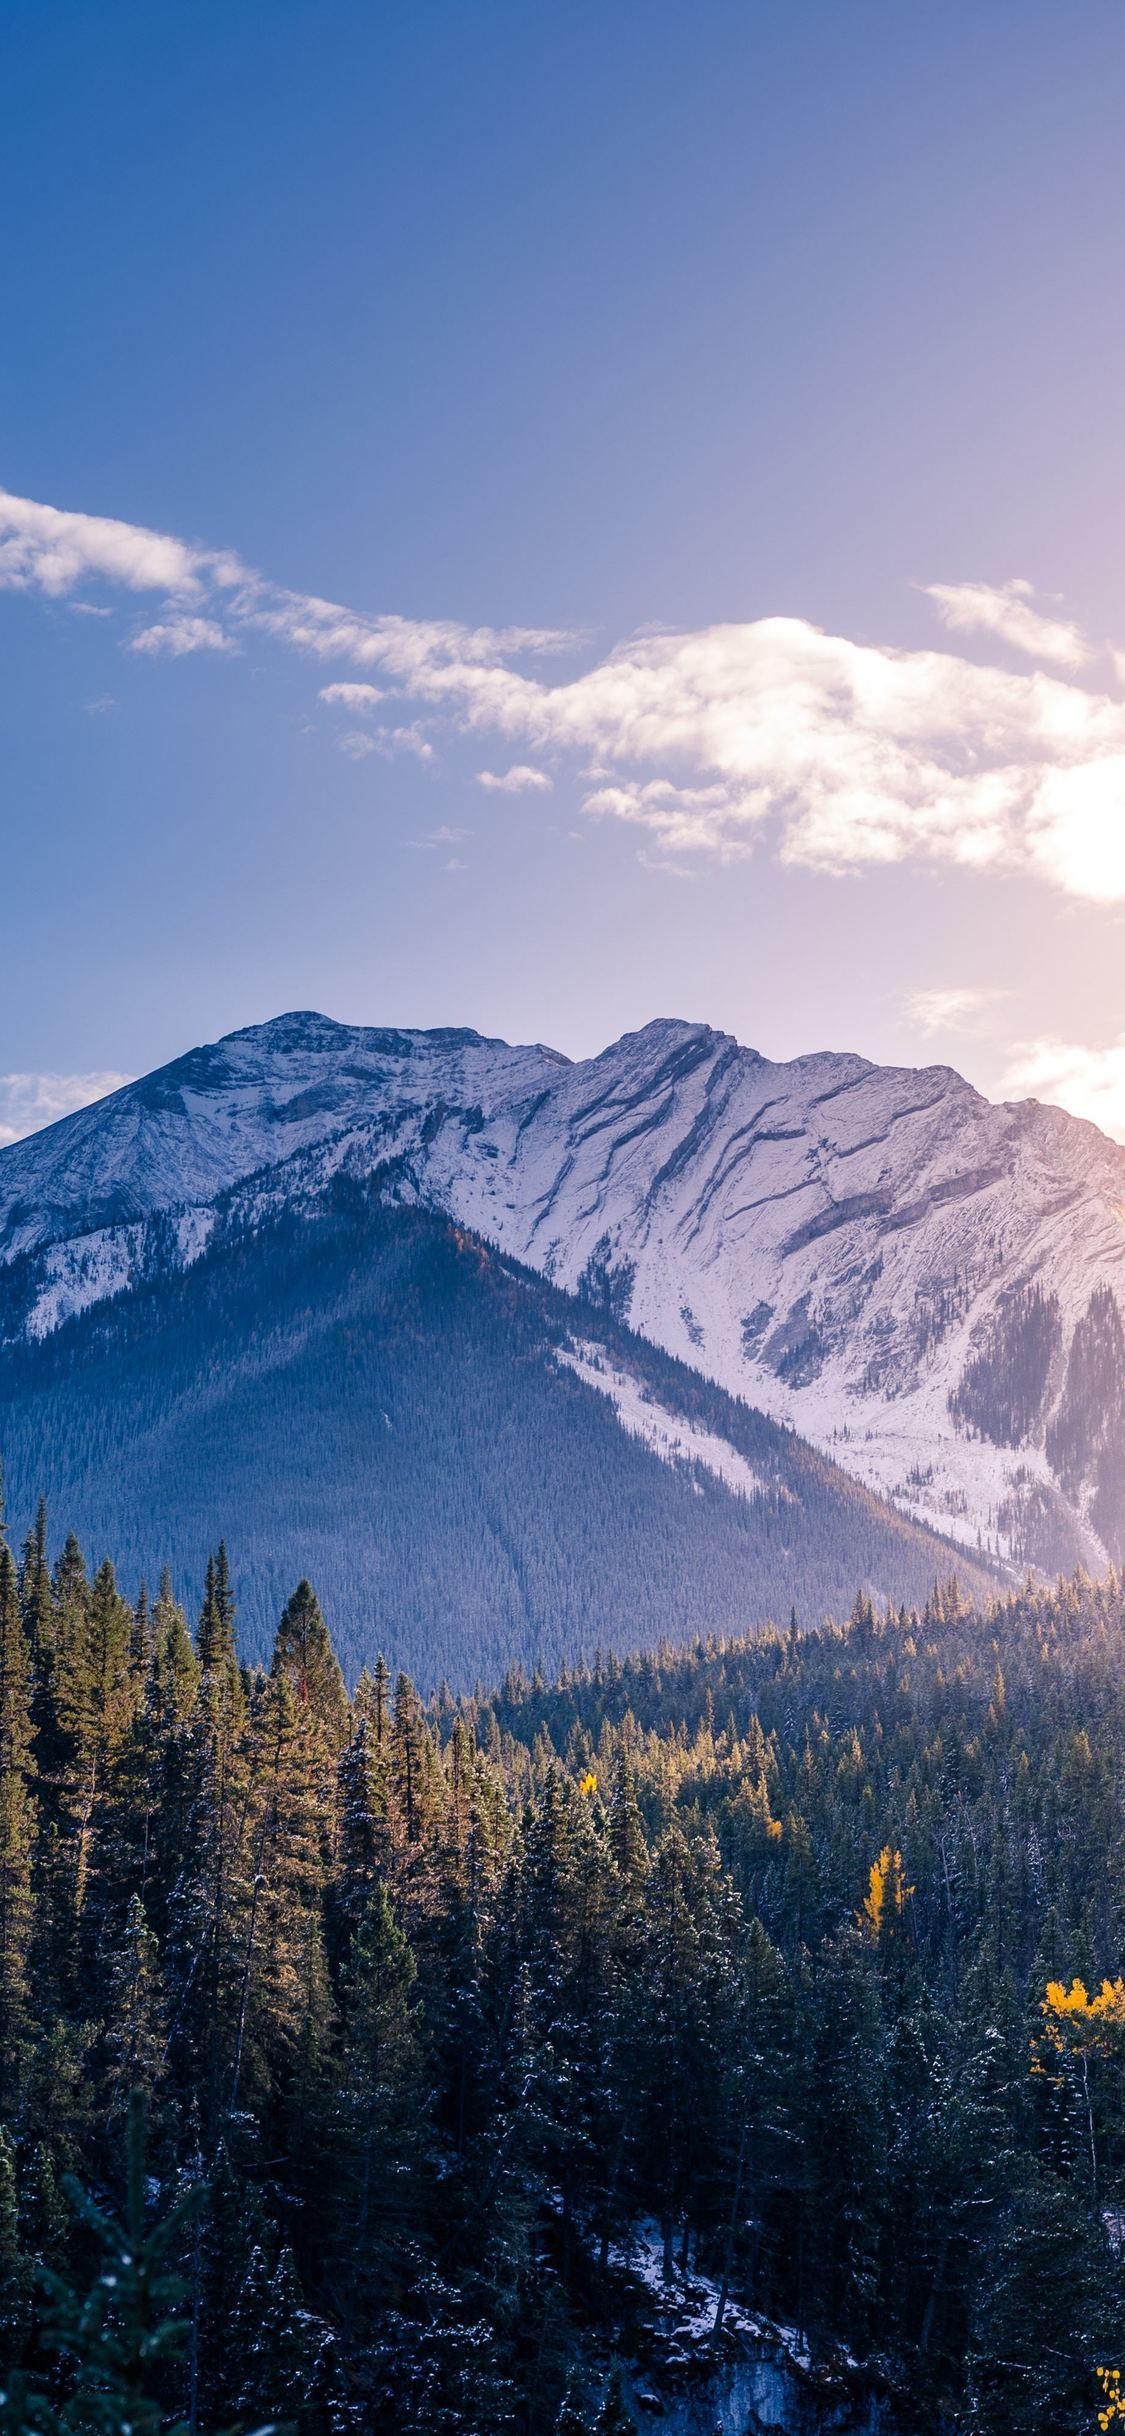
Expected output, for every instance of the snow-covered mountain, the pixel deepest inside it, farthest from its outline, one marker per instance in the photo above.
(925, 1284)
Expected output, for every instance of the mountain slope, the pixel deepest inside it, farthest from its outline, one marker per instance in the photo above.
(473, 1468)
(923, 1283)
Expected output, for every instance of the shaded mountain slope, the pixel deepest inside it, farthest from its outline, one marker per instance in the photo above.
(446, 1444)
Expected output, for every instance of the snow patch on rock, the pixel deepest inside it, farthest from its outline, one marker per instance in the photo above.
(669, 1435)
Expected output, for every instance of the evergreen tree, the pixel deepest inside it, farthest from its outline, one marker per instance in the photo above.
(137, 2027)
(17, 1827)
(572, 2419)
(304, 1653)
(229, 2227)
(38, 1608)
(364, 1806)
(123, 2336)
(626, 1827)
(376, 2132)
(45, 2214)
(278, 2346)
(204, 1927)
(15, 2265)
(615, 2418)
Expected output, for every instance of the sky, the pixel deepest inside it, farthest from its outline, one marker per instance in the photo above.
(543, 516)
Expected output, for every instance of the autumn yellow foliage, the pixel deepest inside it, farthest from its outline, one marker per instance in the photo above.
(1113, 2401)
(1072, 2017)
(589, 1783)
(886, 1891)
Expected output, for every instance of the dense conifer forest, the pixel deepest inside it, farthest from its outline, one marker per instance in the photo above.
(353, 2050)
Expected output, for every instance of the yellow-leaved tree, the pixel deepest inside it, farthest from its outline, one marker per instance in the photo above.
(1113, 2400)
(887, 1892)
(1077, 2030)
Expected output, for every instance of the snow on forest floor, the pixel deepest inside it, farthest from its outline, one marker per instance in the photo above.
(689, 2300)
(688, 2305)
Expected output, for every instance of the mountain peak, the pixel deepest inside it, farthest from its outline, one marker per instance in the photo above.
(298, 1025)
(679, 1027)
(865, 1251)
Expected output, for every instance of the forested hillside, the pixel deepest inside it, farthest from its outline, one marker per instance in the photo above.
(789, 1968)
(368, 1394)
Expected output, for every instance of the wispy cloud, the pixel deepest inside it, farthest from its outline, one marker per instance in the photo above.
(691, 818)
(421, 656)
(1008, 610)
(665, 864)
(351, 697)
(175, 637)
(356, 743)
(521, 779)
(1069, 1074)
(958, 1009)
(28, 1101)
(445, 836)
(841, 755)
(413, 739)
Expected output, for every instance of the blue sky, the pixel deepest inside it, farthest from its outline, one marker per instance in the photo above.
(769, 358)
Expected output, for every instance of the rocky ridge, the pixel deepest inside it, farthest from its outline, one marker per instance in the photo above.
(922, 1282)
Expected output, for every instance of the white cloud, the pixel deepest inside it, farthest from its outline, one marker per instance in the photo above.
(951, 1010)
(844, 755)
(179, 635)
(391, 740)
(1076, 827)
(853, 754)
(1089, 1082)
(693, 817)
(352, 697)
(100, 703)
(359, 742)
(1006, 610)
(521, 779)
(28, 1101)
(53, 549)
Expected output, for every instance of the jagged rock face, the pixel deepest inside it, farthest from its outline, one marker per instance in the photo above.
(923, 1283)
